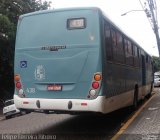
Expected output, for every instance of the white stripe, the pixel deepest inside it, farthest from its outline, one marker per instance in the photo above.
(100, 104)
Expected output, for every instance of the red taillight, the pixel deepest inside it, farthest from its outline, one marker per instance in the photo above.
(18, 85)
(83, 104)
(95, 85)
(25, 102)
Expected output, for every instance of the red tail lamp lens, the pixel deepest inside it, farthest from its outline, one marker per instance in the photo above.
(18, 85)
(95, 85)
(83, 104)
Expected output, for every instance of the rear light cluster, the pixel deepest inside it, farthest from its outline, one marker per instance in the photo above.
(18, 85)
(96, 83)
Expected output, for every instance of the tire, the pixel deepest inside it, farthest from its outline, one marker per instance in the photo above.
(23, 112)
(7, 117)
(46, 111)
(150, 93)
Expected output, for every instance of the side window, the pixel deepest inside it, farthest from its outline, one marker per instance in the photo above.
(119, 40)
(136, 56)
(114, 38)
(120, 49)
(135, 51)
(146, 58)
(117, 46)
(107, 32)
(138, 53)
(130, 49)
(129, 52)
(126, 48)
(108, 45)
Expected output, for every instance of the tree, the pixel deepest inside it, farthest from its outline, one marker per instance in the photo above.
(156, 63)
(7, 29)
(10, 10)
(14, 8)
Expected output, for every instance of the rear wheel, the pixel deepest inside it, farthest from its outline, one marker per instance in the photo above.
(23, 112)
(46, 111)
(7, 117)
(150, 93)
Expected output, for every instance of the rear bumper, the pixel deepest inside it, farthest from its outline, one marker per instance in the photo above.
(69, 105)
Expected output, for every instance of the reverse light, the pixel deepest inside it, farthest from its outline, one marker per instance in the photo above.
(21, 91)
(95, 85)
(92, 92)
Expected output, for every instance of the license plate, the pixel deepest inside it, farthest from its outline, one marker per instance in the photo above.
(54, 87)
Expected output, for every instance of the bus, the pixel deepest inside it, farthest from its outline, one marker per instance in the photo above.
(76, 60)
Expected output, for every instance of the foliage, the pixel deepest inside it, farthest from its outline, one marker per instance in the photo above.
(10, 10)
(7, 32)
(156, 63)
(13, 8)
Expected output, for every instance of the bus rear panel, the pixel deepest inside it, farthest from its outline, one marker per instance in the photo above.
(58, 61)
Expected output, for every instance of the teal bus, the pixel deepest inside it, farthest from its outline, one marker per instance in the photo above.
(76, 60)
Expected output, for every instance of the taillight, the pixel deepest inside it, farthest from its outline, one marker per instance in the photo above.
(16, 78)
(95, 86)
(18, 85)
(97, 77)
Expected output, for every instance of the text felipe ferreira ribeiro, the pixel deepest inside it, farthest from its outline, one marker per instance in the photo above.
(27, 137)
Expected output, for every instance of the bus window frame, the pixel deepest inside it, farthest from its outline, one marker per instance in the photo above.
(109, 45)
(75, 28)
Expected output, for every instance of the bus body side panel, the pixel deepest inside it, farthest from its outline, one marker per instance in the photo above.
(121, 78)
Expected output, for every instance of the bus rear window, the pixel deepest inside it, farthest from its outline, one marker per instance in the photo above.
(76, 23)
